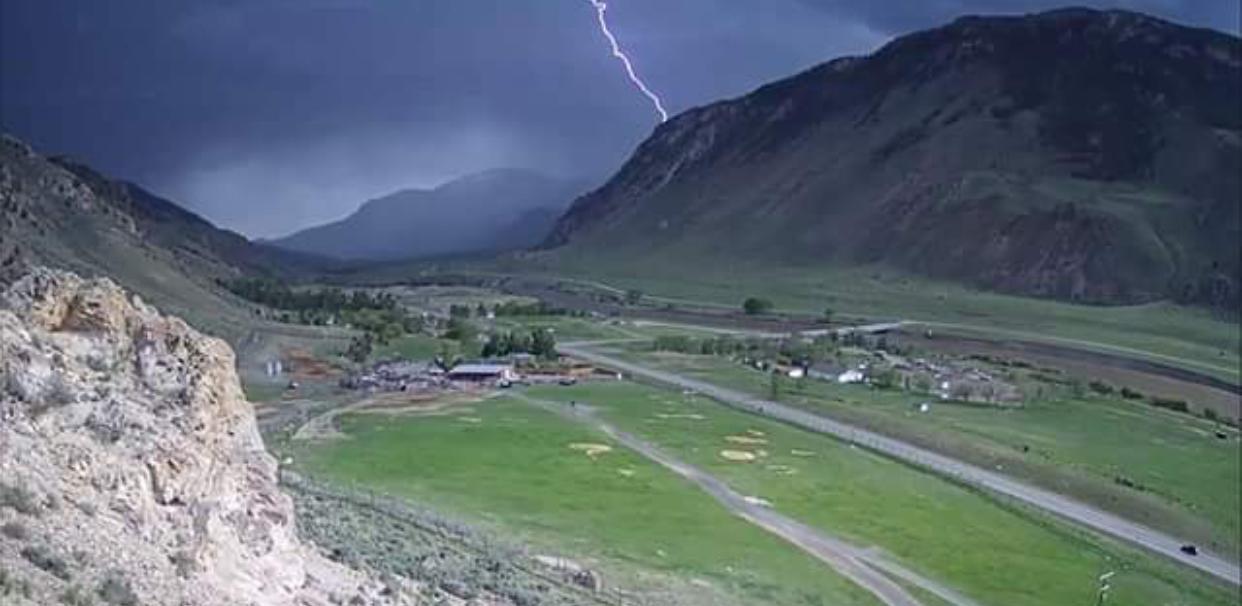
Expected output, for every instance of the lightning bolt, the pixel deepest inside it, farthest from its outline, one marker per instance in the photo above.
(601, 7)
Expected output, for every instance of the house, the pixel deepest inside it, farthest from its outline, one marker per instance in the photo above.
(483, 373)
(851, 376)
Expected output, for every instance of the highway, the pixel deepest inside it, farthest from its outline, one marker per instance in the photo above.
(1056, 504)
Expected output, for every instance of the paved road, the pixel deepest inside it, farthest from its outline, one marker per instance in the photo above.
(862, 566)
(1051, 502)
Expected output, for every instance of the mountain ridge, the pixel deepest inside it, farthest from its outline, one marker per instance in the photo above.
(1076, 154)
(489, 211)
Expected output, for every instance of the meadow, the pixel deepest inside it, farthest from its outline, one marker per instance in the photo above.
(1177, 335)
(1160, 468)
(514, 468)
(993, 551)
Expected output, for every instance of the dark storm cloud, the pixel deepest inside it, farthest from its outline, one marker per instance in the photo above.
(899, 17)
(267, 115)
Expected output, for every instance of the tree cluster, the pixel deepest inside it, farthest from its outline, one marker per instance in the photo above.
(279, 295)
(538, 342)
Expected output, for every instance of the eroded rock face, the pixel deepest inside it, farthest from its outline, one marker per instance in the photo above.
(130, 461)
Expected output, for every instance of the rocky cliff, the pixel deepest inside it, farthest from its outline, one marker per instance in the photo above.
(131, 468)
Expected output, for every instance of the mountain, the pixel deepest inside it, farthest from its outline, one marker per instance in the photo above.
(62, 214)
(497, 210)
(1078, 154)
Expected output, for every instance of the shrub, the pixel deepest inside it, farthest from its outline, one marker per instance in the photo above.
(1170, 404)
(1101, 387)
(1130, 394)
(755, 306)
(76, 596)
(10, 584)
(15, 530)
(116, 590)
(43, 559)
(19, 498)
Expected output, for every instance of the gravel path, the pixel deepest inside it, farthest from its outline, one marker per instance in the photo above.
(865, 567)
(1051, 502)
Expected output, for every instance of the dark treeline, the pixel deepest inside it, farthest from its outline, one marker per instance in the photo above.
(279, 295)
(377, 315)
(512, 308)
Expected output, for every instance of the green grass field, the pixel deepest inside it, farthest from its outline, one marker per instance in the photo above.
(566, 328)
(996, 553)
(1163, 332)
(1081, 445)
(510, 466)
(414, 347)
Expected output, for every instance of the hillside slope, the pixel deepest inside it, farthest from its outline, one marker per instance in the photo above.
(493, 211)
(65, 215)
(1076, 154)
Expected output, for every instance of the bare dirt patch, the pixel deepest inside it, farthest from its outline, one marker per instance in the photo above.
(689, 416)
(323, 427)
(303, 365)
(746, 440)
(738, 456)
(591, 449)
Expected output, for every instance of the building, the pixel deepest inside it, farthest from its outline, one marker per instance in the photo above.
(483, 373)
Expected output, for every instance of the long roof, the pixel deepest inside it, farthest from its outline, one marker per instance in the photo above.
(480, 369)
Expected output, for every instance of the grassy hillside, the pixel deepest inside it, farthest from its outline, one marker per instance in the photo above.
(1075, 154)
(65, 215)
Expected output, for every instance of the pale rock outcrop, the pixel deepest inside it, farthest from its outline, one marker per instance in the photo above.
(130, 463)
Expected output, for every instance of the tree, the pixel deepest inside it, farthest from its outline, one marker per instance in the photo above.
(360, 348)
(459, 330)
(543, 344)
(828, 314)
(754, 306)
(633, 296)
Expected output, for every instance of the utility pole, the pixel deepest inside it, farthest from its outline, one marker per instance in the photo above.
(1102, 593)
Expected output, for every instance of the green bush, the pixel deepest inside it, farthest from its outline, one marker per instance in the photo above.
(754, 306)
(1101, 387)
(1170, 404)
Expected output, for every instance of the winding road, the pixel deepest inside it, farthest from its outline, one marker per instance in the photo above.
(865, 567)
(1059, 505)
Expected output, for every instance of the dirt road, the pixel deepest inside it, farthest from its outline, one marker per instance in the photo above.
(864, 567)
(1048, 501)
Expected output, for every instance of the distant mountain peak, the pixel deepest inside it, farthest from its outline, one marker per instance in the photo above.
(489, 211)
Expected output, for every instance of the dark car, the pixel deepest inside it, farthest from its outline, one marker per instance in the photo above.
(1190, 550)
(568, 381)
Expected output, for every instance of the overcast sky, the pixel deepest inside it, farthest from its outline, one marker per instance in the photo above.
(270, 115)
